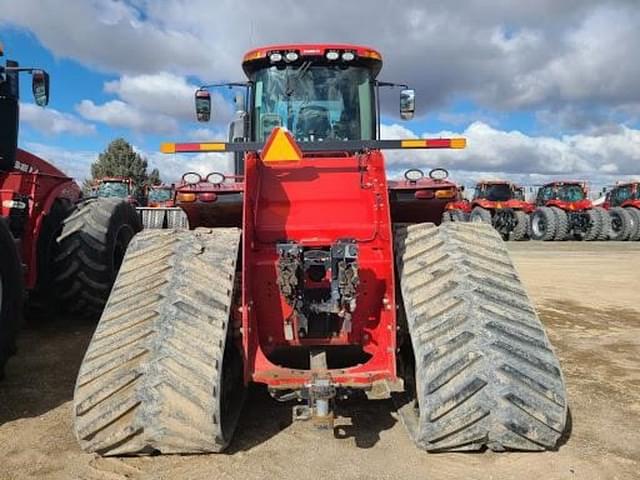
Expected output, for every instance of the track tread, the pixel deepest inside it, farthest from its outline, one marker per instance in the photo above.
(486, 372)
(151, 381)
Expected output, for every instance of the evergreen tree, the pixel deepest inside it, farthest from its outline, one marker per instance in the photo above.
(120, 160)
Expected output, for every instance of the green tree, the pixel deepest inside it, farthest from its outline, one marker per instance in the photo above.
(121, 160)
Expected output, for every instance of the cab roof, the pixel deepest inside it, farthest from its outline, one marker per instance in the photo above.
(260, 56)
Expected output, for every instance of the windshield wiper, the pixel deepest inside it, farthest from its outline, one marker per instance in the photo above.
(293, 79)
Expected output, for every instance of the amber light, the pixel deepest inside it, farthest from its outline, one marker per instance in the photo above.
(186, 197)
(207, 197)
(445, 193)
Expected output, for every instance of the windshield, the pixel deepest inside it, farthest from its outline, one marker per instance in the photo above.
(159, 195)
(570, 193)
(113, 189)
(314, 102)
(500, 192)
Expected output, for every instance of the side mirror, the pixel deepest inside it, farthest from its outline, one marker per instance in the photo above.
(407, 103)
(462, 188)
(203, 105)
(40, 87)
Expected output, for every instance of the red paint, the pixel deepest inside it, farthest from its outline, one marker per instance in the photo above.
(42, 183)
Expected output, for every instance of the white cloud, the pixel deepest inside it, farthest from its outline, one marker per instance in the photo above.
(173, 166)
(74, 163)
(53, 122)
(117, 113)
(490, 150)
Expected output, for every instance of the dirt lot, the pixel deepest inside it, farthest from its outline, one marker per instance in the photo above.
(587, 295)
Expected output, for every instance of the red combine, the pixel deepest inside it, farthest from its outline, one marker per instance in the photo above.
(63, 252)
(563, 211)
(499, 203)
(623, 204)
(315, 289)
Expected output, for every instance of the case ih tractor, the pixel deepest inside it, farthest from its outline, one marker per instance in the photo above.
(623, 204)
(314, 289)
(564, 211)
(499, 203)
(61, 252)
(160, 210)
(116, 187)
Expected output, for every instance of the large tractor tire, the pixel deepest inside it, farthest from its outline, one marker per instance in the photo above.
(621, 224)
(596, 226)
(521, 230)
(543, 224)
(162, 372)
(605, 223)
(176, 218)
(11, 293)
(480, 215)
(485, 372)
(91, 247)
(562, 224)
(634, 213)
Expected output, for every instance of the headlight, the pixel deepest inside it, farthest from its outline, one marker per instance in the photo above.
(414, 174)
(275, 57)
(332, 55)
(348, 56)
(438, 174)
(191, 178)
(215, 178)
(291, 56)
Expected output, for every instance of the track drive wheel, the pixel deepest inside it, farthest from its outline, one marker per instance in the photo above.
(91, 247)
(485, 372)
(11, 293)
(162, 372)
(543, 224)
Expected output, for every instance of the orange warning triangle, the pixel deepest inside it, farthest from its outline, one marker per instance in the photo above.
(281, 147)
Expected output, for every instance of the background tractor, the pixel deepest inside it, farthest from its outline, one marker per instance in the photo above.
(563, 211)
(623, 204)
(116, 187)
(308, 284)
(499, 203)
(160, 210)
(60, 250)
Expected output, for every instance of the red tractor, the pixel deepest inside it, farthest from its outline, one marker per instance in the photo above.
(298, 276)
(116, 187)
(499, 203)
(62, 251)
(160, 210)
(623, 204)
(564, 211)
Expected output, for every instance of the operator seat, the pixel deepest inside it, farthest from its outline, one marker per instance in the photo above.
(313, 122)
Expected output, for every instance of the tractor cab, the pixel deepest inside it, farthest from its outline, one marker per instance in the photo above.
(623, 195)
(160, 195)
(115, 187)
(495, 191)
(563, 194)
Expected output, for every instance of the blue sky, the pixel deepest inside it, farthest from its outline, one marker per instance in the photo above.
(540, 90)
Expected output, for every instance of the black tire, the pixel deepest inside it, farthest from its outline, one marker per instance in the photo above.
(162, 372)
(595, 226)
(621, 224)
(605, 224)
(521, 230)
(454, 216)
(11, 293)
(486, 374)
(562, 224)
(91, 247)
(543, 224)
(480, 215)
(634, 213)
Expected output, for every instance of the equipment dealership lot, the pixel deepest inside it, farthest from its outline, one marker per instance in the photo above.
(586, 294)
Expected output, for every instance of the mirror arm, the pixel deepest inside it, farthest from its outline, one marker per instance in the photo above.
(390, 84)
(230, 85)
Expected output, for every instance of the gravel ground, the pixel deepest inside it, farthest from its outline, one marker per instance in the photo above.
(587, 296)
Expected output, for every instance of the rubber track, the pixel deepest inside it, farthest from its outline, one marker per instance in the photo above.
(150, 379)
(486, 373)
